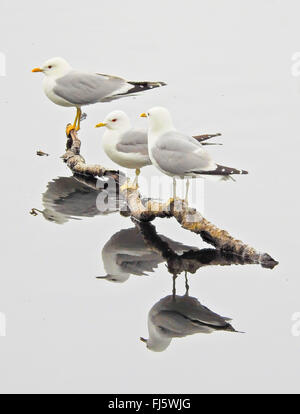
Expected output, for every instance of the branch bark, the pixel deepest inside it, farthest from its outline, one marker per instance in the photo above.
(145, 211)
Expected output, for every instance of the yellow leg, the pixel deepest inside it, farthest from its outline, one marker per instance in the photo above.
(74, 126)
(136, 180)
(78, 115)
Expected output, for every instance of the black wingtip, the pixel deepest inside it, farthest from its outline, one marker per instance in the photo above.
(229, 171)
(144, 86)
(223, 171)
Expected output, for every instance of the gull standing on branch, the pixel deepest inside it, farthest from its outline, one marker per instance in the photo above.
(128, 146)
(179, 155)
(66, 86)
(123, 144)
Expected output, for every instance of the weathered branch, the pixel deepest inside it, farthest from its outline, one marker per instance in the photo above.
(189, 218)
(77, 163)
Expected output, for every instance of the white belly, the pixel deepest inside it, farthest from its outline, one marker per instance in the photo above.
(48, 86)
(126, 160)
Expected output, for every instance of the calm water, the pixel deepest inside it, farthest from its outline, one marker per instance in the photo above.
(66, 330)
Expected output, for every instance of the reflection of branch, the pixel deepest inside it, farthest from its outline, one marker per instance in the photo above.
(189, 218)
(190, 261)
(34, 211)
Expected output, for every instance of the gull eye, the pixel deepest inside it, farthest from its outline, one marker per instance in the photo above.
(49, 67)
(114, 120)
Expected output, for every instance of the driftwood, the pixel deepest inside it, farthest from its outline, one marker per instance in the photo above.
(145, 211)
(77, 163)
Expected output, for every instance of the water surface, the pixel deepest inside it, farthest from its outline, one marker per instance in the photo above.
(228, 69)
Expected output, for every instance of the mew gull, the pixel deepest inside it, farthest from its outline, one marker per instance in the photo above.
(180, 155)
(68, 87)
(126, 146)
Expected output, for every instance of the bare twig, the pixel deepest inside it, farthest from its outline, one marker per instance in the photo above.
(34, 211)
(42, 153)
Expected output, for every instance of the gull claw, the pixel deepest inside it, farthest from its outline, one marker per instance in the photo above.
(69, 128)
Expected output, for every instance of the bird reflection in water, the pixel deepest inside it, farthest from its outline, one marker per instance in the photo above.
(138, 251)
(76, 197)
(177, 316)
(126, 253)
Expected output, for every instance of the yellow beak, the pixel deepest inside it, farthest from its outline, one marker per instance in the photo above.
(101, 124)
(143, 115)
(37, 70)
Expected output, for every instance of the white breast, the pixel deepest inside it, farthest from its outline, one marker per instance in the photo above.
(48, 86)
(110, 140)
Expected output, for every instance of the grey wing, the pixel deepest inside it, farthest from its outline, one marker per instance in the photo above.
(134, 141)
(81, 88)
(192, 310)
(173, 324)
(187, 316)
(180, 154)
(139, 265)
(200, 314)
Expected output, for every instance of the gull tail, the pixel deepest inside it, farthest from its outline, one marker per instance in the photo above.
(143, 86)
(205, 137)
(230, 328)
(223, 171)
(133, 88)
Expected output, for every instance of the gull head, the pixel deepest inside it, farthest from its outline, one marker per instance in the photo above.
(116, 120)
(54, 67)
(54, 216)
(115, 278)
(159, 119)
(156, 345)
